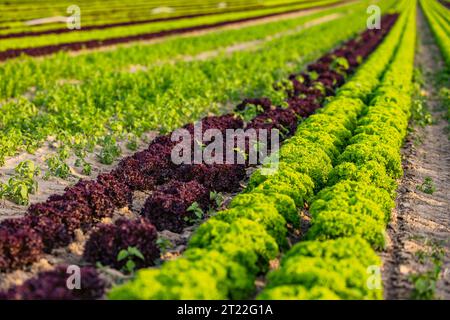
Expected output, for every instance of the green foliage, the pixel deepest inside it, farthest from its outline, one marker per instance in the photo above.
(349, 216)
(342, 248)
(284, 204)
(197, 211)
(250, 112)
(130, 254)
(154, 284)
(284, 188)
(371, 172)
(347, 278)
(444, 94)
(425, 282)
(285, 181)
(132, 143)
(333, 268)
(305, 163)
(435, 13)
(110, 150)
(218, 278)
(86, 166)
(340, 64)
(419, 109)
(363, 152)
(297, 292)
(164, 244)
(355, 198)
(243, 241)
(21, 184)
(107, 99)
(427, 186)
(335, 224)
(234, 281)
(264, 214)
(309, 159)
(217, 198)
(57, 165)
(330, 143)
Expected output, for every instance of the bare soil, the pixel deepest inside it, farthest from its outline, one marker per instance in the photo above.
(421, 221)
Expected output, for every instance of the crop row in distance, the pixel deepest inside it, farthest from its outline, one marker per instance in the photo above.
(439, 20)
(22, 74)
(116, 14)
(133, 30)
(164, 97)
(97, 12)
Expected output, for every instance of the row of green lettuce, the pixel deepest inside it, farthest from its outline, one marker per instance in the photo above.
(228, 252)
(438, 18)
(125, 31)
(349, 217)
(165, 96)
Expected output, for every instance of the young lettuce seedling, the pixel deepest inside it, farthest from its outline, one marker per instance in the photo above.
(129, 255)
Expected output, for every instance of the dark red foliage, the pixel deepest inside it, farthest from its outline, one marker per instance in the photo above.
(284, 120)
(71, 213)
(221, 123)
(303, 107)
(299, 88)
(52, 234)
(156, 163)
(336, 79)
(52, 285)
(164, 140)
(265, 103)
(319, 67)
(217, 177)
(119, 193)
(167, 207)
(93, 194)
(19, 246)
(129, 172)
(107, 240)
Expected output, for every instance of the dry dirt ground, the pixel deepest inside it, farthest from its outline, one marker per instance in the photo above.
(420, 228)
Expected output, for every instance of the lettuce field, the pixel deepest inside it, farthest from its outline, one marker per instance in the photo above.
(225, 150)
